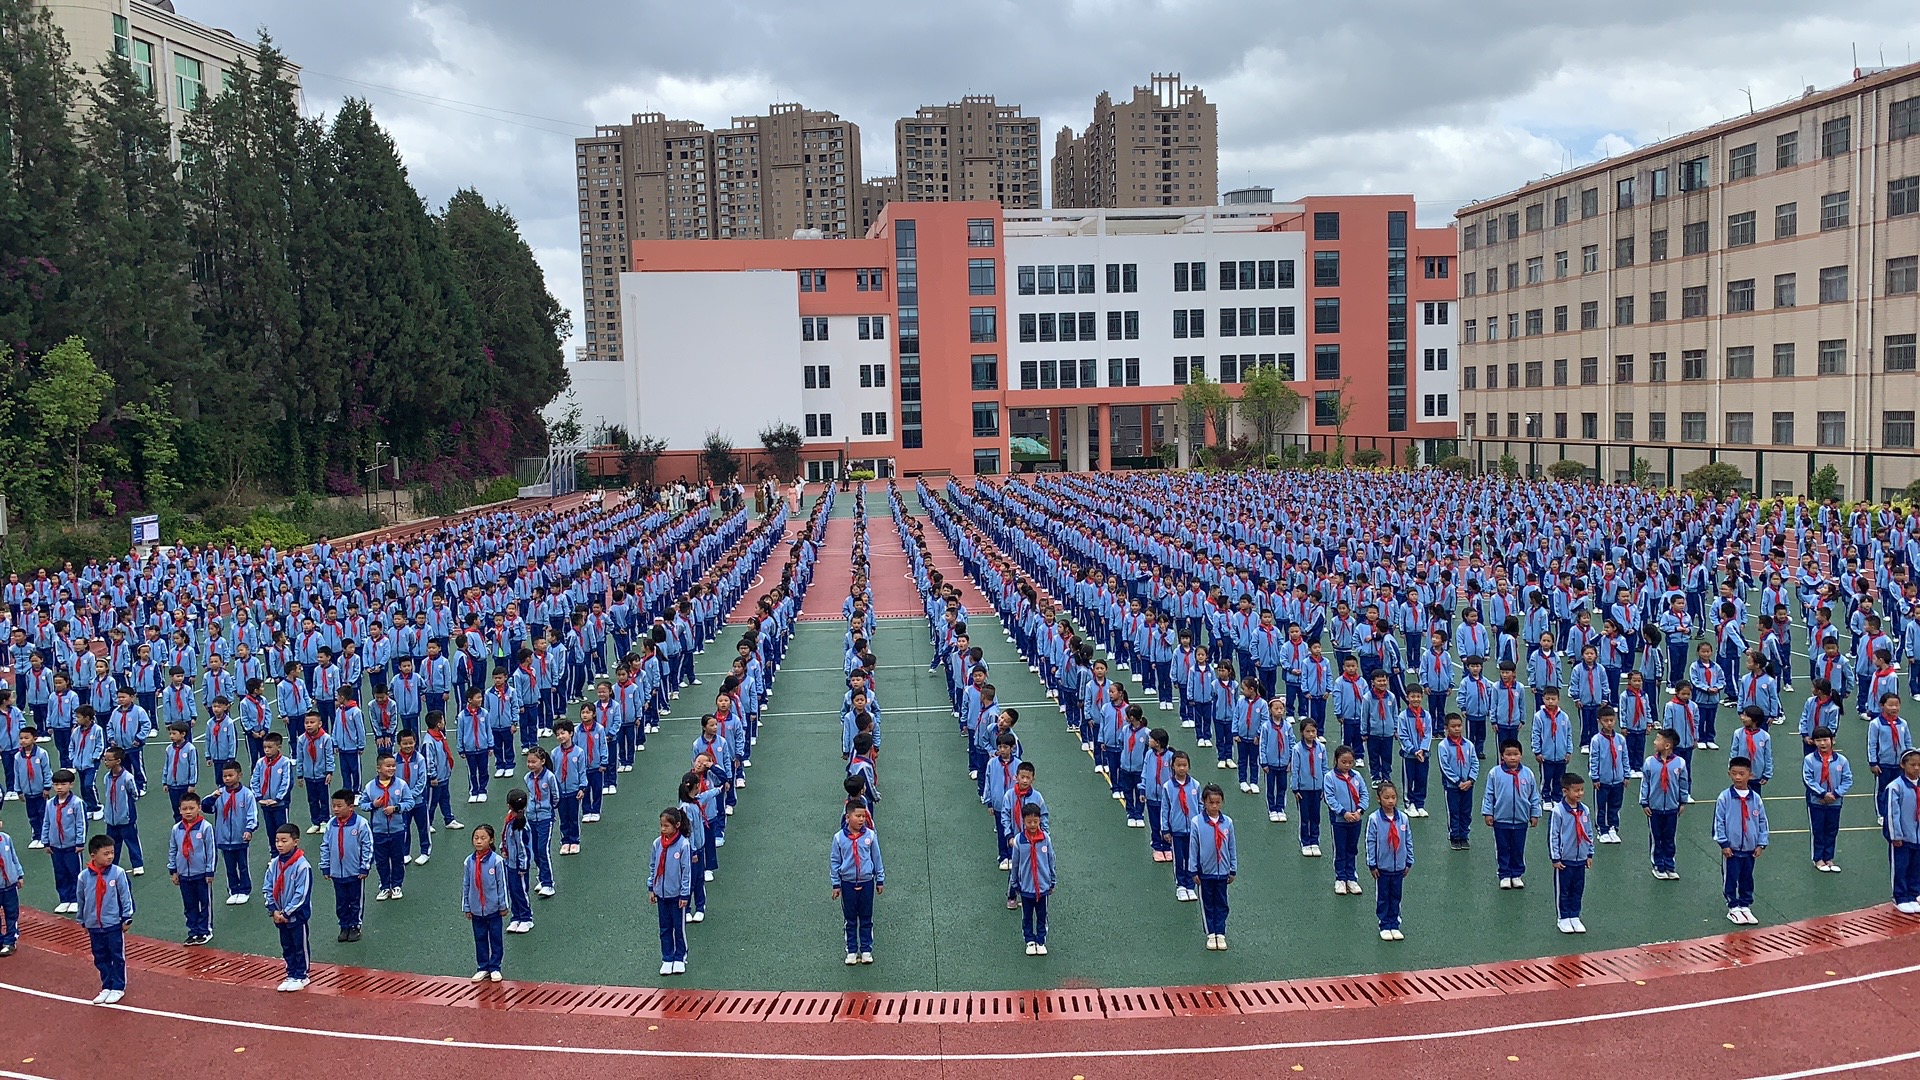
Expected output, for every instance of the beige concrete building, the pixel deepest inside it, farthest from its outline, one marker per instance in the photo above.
(1745, 292)
(1159, 148)
(179, 61)
(875, 194)
(973, 150)
(659, 179)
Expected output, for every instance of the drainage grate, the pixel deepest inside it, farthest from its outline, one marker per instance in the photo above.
(934, 1008)
(1135, 1003)
(738, 1005)
(997, 1007)
(803, 1008)
(618, 1001)
(1267, 997)
(1197, 1001)
(1067, 1005)
(861, 1007)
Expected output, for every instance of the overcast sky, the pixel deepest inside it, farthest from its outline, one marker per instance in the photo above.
(1452, 102)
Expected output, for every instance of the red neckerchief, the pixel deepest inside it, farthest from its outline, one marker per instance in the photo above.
(1353, 789)
(1580, 821)
(853, 842)
(1219, 839)
(1034, 837)
(284, 865)
(479, 881)
(660, 868)
(1665, 764)
(1459, 749)
(1393, 829)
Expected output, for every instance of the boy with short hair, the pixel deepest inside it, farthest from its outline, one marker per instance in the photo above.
(1740, 829)
(346, 857)
(289, 898)
(1034, 877)
(1664, 796)
(190, 857)
(11, 877)
(272, 783)
(106, 911)
(1828, 777)
(1903, 833)
(119, 811)
(180, 765)
(32, 780)
(1570, 842)
(857, 877)
(1609, 760)
(390, 801)
(63, 828)
(1459, 770)
(1510, 806)
(236, 816)
(314, 761)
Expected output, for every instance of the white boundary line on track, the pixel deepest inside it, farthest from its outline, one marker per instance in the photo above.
(1044, 1055)
(1829, 1070)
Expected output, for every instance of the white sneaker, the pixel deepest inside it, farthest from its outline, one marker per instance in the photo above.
(398, 895)
(698, 916)
(1578, 926)
(546, 890)
(706, 875)
(480, 798)
(1006, 864)
(36, 845)
(852, 959)
(313, 830)
(610, 789)
(666, 969)
(1042, 949)
(421, 859)
(1733, 916)
(1911, 907)
(1275, 816)
(114, 996)
(679, 967)
(1213, 942)
(1519, 883)
(1354, 889)
(1833, 868)
(1565, 925)
(383, 894)
(1397, 935)
(1386, 935)
(1119, 797)
(1316, 851)
(495, 976)
(1223, 765)
(1033, 949)
(101, 997)
(1339, 887)
(478, 976)
(294, 985)
(455, 825)
(866, 958)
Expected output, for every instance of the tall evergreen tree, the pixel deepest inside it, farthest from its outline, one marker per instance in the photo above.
(521, 325)
(39, 178)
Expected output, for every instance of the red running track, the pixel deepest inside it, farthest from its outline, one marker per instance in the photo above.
(1830, 1010)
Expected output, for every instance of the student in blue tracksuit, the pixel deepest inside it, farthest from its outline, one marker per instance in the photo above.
(484, 901)
(1414, 730)
(1828, 777)
(1903, 833)
(1553, 740)
(1740, 829)
(63, 829)
(236, 817)
(1155, 771)
(389, 801)
(1033, 878)
(346, 857)
(1459, 770)
(106, 911)
(1213, 858)
(1276, 758)
(1476, 703)
(516, 851)
(1307, 766)
(543, 795)
(1588, 684)
(11, 876)
(288, 888)
(1132, 745)
(1510, 806)
(1570, 841)
(1179, 804)
(1611, 764)
(670, 888)
(1888, 738)
(857, 876)
(1389, 858)
(1346, 797)
(1249, 715)
(118, 809)
(1379, 713)
(1665, 788)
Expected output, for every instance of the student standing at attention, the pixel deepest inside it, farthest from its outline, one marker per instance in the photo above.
(1213, 858)
(483, 899)
(106, 910)
(1570, 840)
(1740, 828)
(857, 876)
(1389, 858)
(670, 889)
(288, 883)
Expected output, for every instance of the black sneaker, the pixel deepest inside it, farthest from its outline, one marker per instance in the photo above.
(191, 939)
(353, 934)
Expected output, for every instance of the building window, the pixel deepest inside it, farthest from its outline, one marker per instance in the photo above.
(1783, 429)
(1903, 274)
(1832, 429)
(1326, 408)
(1693, 238)
(1833, 357)
(1903, 118)
(1590, 258)
(1470, 331)
(1836, 136)
(986, 419)
(1559, 425)
(1179, 371)
(1657, 181)
(1326, 269)
(983, 325)
(1833, 284)
(1470, 238)
(1436, 359)
(873, 375)
(1897, 352)
(1786, 290)
(813, 281)
(1560, 372)
(1903, 196)
(1693, 427)
(1693, 302)
(1535, 324)
(1693, 174)
(819, 425)
(979, 232)
(1560, 319)
(1326, 362)
(1326, 226)
(1589, 202)
(1590, 425)
(1657, 426)
(1589, 371)
(1513, 375)
(1326, 315)
(1536, 372)
(1623, 426)
(1896, 429)
(1469, 377)
(1740, 296)
(1623, 251)
(1693, 365)
(1623, 311)
(817, 376)
(1657, 246)
(189, 82)
(1230, 368)
(986, 462)
(1740, 428)
(1741, 161)
(1623, 369)
(1786, 150)
(1740, 362)
(1560, 210)
(1623, 191)
(1741, 229)
(1432, 313)
(1783, 360)
(1190, 277)
(873, 328)
(980, 278)
(1590, 315)
(986, 373)
(1836, 210)
(1437, 266)
(873, 423)
(1559, 264)
(876, 280)
(813, 328)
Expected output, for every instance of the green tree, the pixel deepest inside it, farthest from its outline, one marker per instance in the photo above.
(67, 399)
(566, 431)
(1267, 404)
(1342, 412)
(1825, 484)
(716, 456)
(40, 172)
(1715, 478)
(1509, 466)
(1202, 398)
(1566, 469)
(640, 457)
(782, 442)
(522, 327)
(154, 424)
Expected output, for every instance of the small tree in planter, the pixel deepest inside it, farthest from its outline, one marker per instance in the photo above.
(1368, 457)
(716, 456)
(1457, 465)
(1509, 466)
(1566, 469)
(1715, 478)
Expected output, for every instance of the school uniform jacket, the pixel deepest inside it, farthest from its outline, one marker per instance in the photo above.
(190, 850)
(1740, 821)
(287, 886)
(483, 889)
(1389, 842)
(855, 860)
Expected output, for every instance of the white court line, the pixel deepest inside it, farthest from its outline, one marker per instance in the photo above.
(885, 712)
(11, 1075)
(1829, 1070)
(1038, 1055)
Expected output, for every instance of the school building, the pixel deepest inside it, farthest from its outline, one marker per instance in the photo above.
(1745, 293)
(970, 338)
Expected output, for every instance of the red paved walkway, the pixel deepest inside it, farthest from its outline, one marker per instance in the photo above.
(832, 572)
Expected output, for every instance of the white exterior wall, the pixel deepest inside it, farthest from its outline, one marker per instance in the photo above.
(846, 399)
(1434, 381)
(1155, 299)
